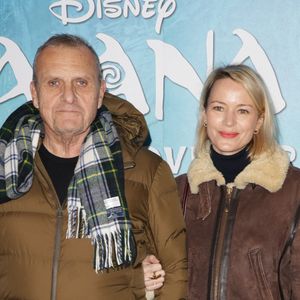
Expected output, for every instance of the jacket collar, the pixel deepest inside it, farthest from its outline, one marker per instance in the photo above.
(131, 126)
(267, 170)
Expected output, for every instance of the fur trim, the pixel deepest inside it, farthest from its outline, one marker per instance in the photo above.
(267, 170)
(202, 170)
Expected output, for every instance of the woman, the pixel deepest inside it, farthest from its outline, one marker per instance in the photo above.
(240, 197)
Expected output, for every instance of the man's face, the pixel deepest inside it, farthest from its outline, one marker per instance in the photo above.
(67, 92)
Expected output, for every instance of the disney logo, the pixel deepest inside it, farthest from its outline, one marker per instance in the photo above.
(113, 9)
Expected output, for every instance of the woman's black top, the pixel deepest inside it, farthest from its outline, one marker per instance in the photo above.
(230, 165)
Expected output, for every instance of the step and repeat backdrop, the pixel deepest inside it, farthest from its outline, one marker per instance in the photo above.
(157, 54)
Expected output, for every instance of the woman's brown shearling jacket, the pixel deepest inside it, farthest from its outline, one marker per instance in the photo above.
(246, 258)
(28, 236)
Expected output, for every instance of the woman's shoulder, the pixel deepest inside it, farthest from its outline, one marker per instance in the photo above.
(293, 172)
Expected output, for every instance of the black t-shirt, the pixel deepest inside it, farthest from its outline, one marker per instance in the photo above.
(60, 170)
(230, 165)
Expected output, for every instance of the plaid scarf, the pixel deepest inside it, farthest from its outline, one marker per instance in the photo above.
(96, 202)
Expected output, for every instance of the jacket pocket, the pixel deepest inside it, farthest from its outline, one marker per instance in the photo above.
(255, 257)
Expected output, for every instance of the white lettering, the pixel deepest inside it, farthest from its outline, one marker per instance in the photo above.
(165, 9)
(112, 9)
(174, 164)
(135, 9)
(251, 49)
(99, 9)
(169, 62)
(291, 151)
(21, 69)
(148, 9)
(64, 5)
(209, 52)
(154, 150)
(115, 59)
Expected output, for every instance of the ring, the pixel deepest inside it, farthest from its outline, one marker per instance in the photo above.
(154, 276)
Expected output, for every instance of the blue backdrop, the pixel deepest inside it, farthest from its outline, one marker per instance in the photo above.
(157, 54)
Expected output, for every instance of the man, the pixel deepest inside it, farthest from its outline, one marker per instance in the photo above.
(82, 202)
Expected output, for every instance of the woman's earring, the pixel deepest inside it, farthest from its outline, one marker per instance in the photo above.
(205, 124)
(255, 131)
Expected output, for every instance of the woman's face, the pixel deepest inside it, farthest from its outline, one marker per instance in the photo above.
(231, 117)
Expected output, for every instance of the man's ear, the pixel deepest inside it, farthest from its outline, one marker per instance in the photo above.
(34, 96)
(102, 90)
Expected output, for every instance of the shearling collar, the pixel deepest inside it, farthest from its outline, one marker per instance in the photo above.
(267, 170)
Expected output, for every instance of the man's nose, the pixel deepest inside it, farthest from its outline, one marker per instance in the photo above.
(69, 94)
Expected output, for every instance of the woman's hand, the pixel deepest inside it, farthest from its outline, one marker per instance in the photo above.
(154, 275)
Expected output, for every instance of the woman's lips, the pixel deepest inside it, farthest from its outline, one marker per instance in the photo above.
(228, 135)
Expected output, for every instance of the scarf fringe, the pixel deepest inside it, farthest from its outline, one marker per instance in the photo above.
(113, 257)
(112, 249)
(77, 223)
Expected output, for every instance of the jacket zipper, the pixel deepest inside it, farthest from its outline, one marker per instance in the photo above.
(57, 249)
(228, 199)
(57, 241)
(222, 244)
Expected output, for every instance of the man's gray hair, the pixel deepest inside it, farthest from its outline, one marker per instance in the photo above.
(68, 40)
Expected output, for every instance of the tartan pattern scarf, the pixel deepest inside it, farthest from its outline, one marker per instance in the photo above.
(96, 202)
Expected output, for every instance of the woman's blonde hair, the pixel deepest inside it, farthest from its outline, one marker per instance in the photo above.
(265, 139)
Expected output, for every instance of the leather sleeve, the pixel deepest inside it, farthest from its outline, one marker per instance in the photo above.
(168, 229)
(295, 266)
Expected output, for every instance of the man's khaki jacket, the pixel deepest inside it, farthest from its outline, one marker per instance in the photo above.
(37, 262)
